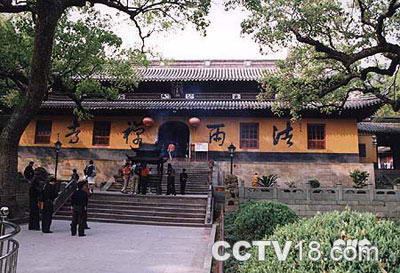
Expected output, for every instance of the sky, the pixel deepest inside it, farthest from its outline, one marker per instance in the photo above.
(223, 40)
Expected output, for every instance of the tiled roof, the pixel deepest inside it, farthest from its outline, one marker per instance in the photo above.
(379, 125)
(183, 104)
(215, 70)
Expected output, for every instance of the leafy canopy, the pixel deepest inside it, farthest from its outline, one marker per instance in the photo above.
(83, 49)
(337, 48)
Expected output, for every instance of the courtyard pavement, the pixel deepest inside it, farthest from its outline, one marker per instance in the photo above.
(113, 248)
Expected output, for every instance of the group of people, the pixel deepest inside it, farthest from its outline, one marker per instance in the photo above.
(136, 178)
(43, 191)
(42, 194)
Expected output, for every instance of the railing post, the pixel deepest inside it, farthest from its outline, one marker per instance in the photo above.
(340, 194)
(275, 193)
(371, 189)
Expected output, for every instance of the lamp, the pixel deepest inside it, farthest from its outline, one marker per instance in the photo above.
(57, 148)
(231, 149)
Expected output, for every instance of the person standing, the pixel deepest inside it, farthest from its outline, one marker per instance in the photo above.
(79, 202)
(90, 173)
(126, 175)
(135, 178)
(255, 180)
(183, 179)
(170, 180)
(171, 150)
(75, 175)
(48, 195)
(85, 188)
(34, 197)
(29, 172)
(144, 176)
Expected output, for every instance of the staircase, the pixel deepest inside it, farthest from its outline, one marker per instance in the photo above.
(197, 178)
(188, 211)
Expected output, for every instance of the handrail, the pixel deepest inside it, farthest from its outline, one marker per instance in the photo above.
(64, 195)
(210, 207)
(8, 245)
(16, 229)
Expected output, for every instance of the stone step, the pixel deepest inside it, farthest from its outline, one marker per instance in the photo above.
(146, 205)
(178, 209)
(134, 222)
(146, 199)
(114, 211)
(144, 218)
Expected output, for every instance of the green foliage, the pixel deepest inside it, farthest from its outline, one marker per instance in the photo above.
(325, 229)
(314, 183)
(83, 49)
(336, 51)
(268, 180)
(386, 111)
(258, 219)
(396, 181)
(360, 178)
(266, 211)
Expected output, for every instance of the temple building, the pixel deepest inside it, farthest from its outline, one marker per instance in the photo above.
(203, 107)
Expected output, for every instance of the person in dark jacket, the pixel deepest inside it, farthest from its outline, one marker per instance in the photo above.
(79, 202)
(75, 175)
(34, 197)
(183, 179)
(170, 180)
(49, 194)
(29, 172)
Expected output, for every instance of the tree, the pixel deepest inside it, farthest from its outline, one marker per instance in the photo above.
(337, 48)
(147, 15)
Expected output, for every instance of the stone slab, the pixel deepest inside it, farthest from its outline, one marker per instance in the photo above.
(115, 248)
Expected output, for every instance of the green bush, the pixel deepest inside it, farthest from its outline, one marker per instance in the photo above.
(396, 181)
(314, 183)
(326, 229)
(360, 178)
(255, 220)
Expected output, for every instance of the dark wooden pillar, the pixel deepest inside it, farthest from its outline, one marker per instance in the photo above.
(396, 155)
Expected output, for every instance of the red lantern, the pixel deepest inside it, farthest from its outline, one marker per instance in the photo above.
(148, 122)
(194, 122)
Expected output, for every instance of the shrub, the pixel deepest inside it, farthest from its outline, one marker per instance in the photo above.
(258, 219)
(360, 178)
(268, 180)
(325, 229)
(396, 181)
(314, 183)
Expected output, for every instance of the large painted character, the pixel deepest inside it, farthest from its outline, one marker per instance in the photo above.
(74, 132)
(215, 133)
(284, 134)
(134, 127)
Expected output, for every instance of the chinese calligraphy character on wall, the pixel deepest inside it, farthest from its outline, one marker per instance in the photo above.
(74, 132)
(283, 135)
(134, 127)
(216, 134)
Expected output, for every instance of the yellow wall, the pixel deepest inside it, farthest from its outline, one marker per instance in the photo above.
(341, 135)
(370, 149)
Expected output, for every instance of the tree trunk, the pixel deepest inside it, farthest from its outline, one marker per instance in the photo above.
(48, 14)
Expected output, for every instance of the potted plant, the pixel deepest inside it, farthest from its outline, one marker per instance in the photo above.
(360, 178)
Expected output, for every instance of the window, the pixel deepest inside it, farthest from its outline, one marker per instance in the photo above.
(249, 135)
(316, 136)
(362, 150)
(43, 131)
(101, 132)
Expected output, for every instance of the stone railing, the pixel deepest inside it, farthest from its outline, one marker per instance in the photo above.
(308, 202)
(319, 194)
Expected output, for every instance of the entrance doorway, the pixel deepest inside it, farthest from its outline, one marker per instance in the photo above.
(175, 132)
